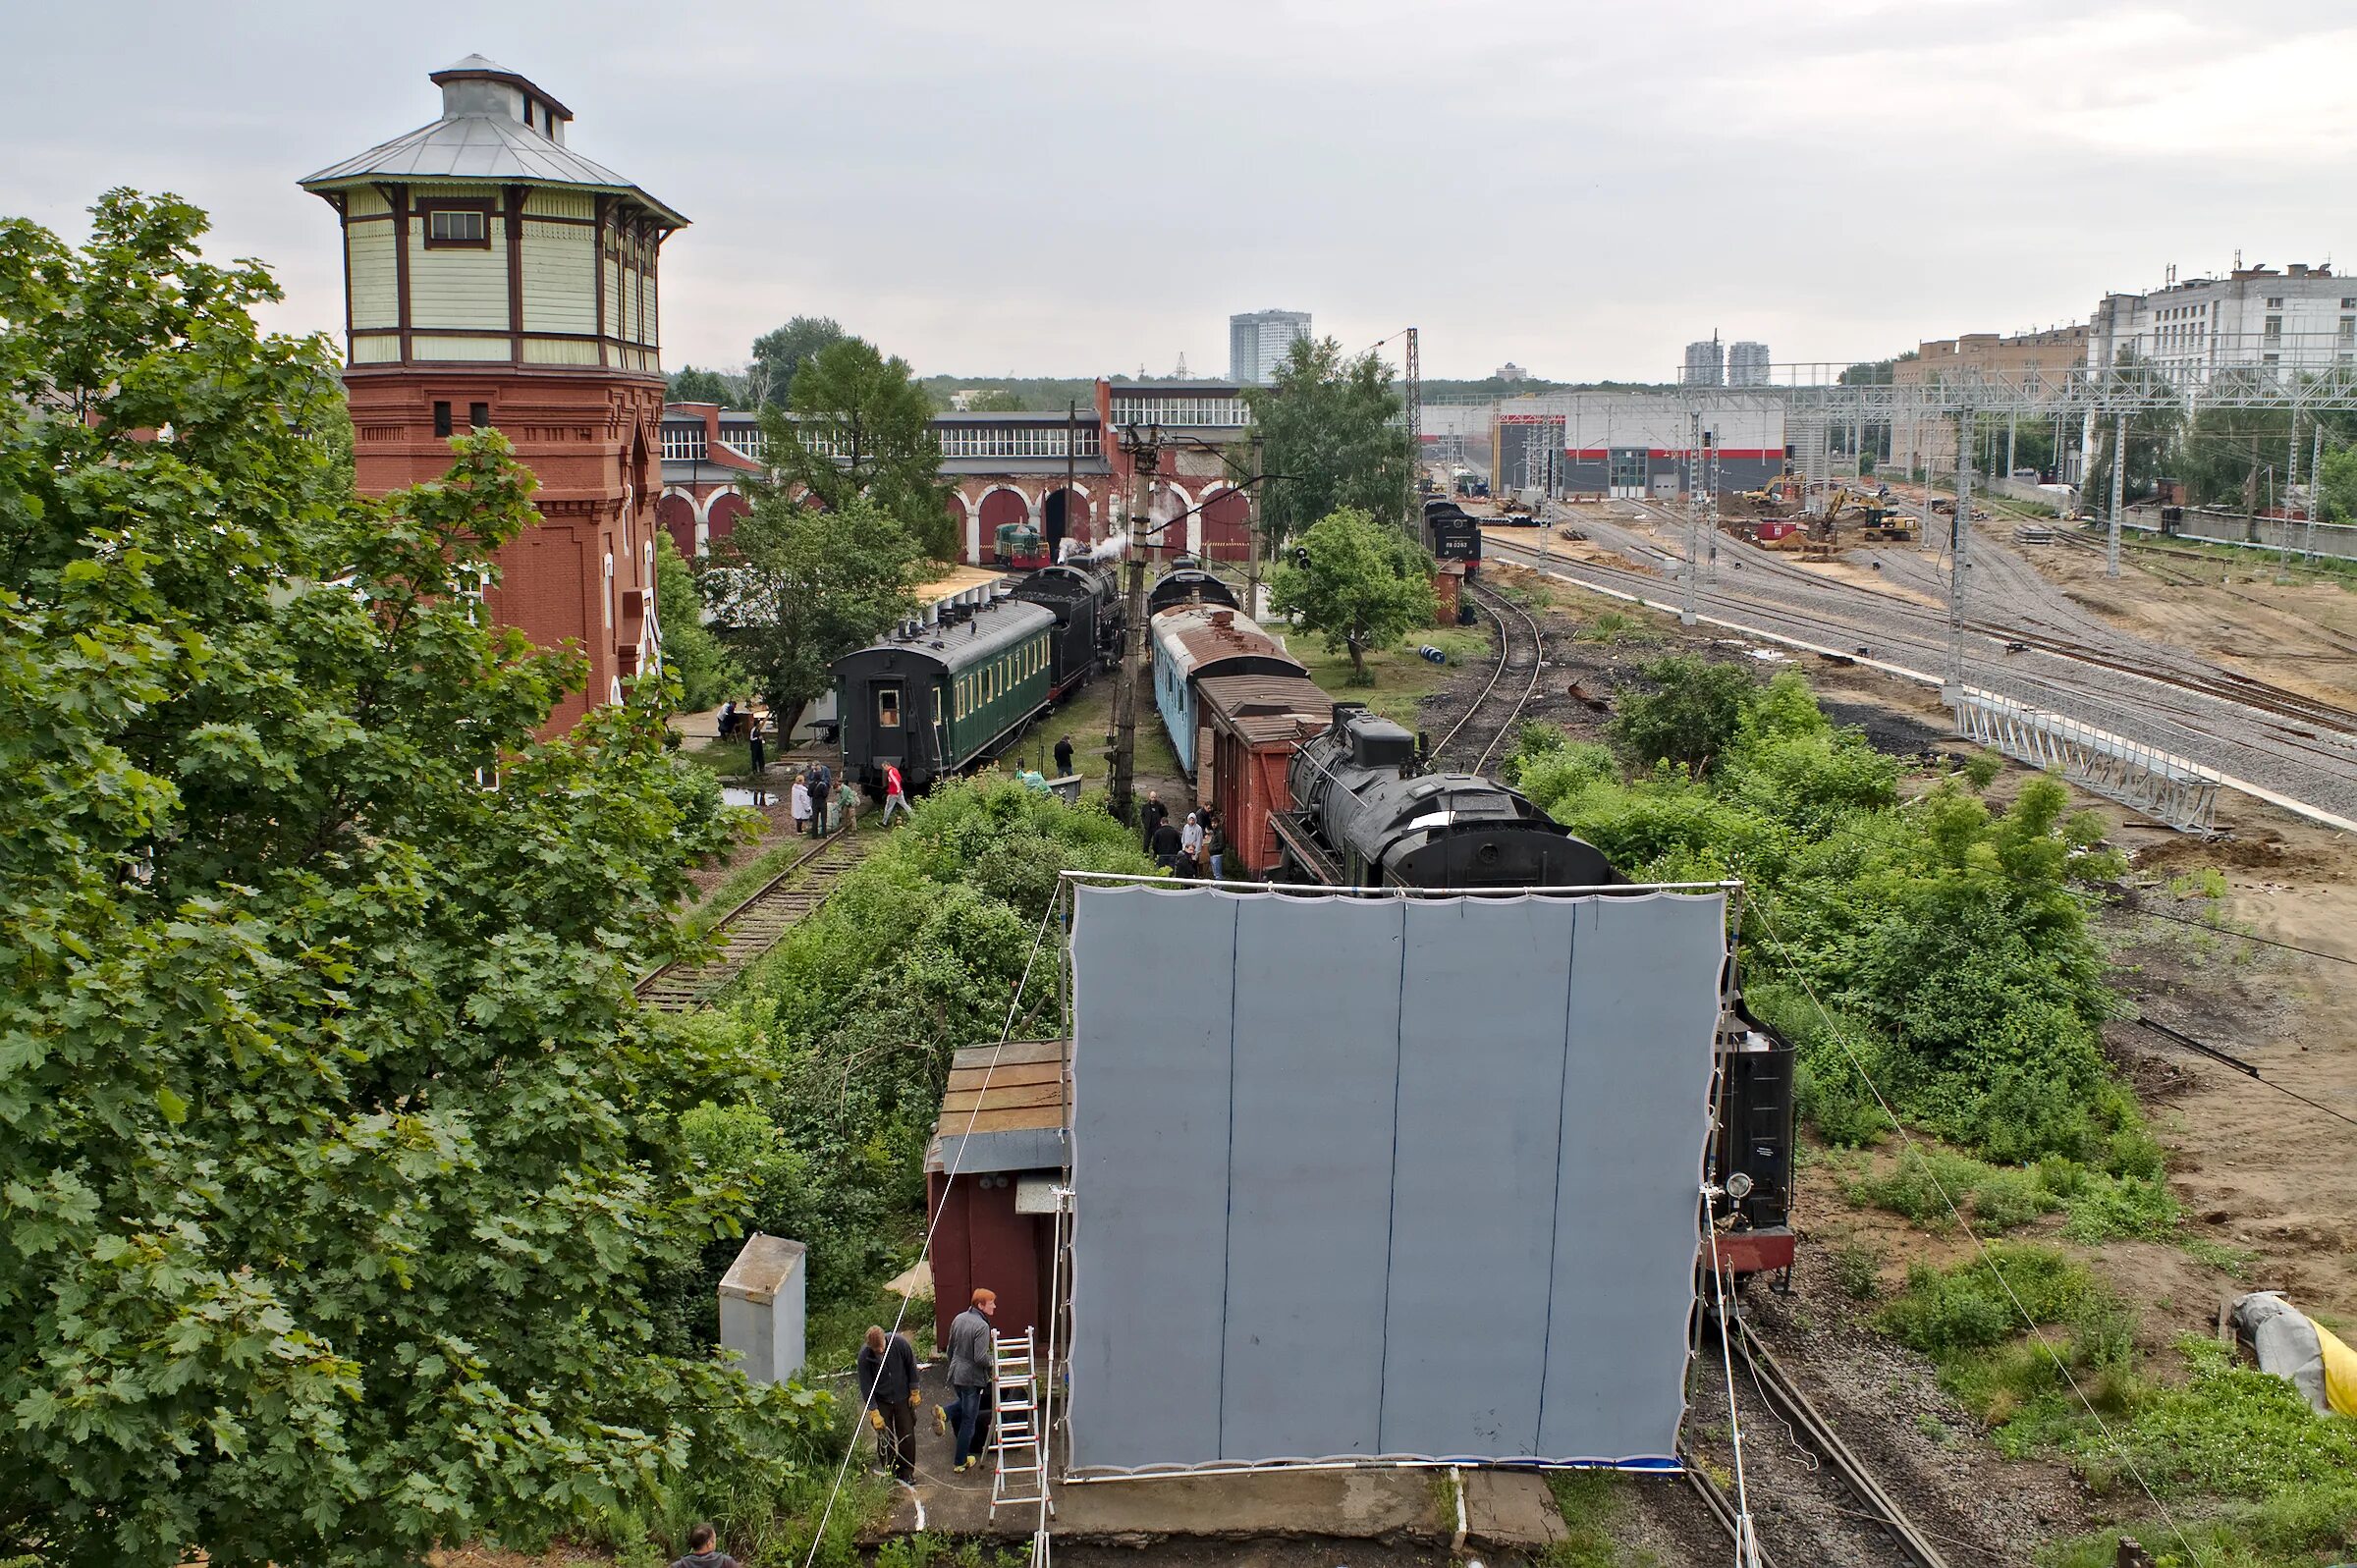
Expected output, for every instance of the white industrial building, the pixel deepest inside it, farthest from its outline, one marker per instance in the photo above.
(2301, 318)
(1637, 444)
(1258, 342)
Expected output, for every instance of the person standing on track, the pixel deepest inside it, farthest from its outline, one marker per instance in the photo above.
(896, 795)
(847, 803)
(821, 783)
(973, 1363)
(888, 1383)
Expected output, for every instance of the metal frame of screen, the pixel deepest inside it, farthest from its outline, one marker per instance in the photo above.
(1397, 1179)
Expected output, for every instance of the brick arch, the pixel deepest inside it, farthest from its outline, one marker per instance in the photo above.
(676, 514)
(964, 524)
(721, 515)
(1078, 520)
(1170, 500)
(1226, 524)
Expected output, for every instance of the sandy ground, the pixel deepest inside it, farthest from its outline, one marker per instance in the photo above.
(2299, 635)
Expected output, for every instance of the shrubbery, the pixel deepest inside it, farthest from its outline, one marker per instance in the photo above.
(857, 1012)
(1934, 943)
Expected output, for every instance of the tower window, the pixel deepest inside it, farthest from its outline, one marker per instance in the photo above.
(457, 226)
(442, 419)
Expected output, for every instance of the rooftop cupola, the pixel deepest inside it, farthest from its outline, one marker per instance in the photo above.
(480, 87)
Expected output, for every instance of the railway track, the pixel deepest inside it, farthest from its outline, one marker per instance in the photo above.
(1827, 1506)
(1490, 718)
(754, 926)
(2285, 745)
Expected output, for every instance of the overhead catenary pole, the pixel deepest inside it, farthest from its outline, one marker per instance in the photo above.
(1959, 550)
(2119, 490)
(1257, 520)
(1412, 398)
(2316, 486)
(1687, 607)
(1144, 446)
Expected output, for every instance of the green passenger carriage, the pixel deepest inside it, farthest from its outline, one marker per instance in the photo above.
(934, 700)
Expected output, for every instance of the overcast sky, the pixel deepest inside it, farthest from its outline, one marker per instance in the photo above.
(1075, 189)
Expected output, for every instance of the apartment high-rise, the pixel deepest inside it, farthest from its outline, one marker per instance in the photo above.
(1706, 363)
(1747, 365)
(1258, 341)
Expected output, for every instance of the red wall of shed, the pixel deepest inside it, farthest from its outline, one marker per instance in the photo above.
(979, 1240)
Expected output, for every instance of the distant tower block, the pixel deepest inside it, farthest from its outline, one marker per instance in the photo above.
(493, 276)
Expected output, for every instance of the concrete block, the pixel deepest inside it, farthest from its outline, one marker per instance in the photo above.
(761, 1307)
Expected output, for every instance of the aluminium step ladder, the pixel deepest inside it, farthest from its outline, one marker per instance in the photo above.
(1021, 1476)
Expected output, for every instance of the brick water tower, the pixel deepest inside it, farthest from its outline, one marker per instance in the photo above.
(493, 276)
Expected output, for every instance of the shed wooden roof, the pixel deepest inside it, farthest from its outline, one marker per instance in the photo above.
(1023, 1087)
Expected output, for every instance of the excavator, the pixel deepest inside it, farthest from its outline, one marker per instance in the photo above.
(1879, 523)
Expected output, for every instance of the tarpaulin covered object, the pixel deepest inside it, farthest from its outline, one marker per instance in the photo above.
(2295, 1348)
(1386, 1176)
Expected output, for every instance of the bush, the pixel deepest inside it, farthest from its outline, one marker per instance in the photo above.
(2121, 1207)
(1968, 1308)
(1858, 1270)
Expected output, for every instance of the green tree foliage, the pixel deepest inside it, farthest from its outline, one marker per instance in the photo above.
(2152, 446)
(916, 952)
(797, 588)
(1691, 715)
(705, 386)
(2339, 498)
(1358, 583)
(1329, 425)
(995, 399)
(862, 428)
(337, 1163)
(779, 353)
(1937, 945)
(707, 672)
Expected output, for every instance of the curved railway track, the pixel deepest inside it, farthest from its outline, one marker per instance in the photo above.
(1829, 1507)
(754, 926)
(1490, 718)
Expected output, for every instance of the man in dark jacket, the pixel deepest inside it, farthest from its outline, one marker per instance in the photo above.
(1152, 815)
(1164, 846)
(973, 1363)
(888, 1383)
(1064, 757)
(822, 785)
(702, 1552)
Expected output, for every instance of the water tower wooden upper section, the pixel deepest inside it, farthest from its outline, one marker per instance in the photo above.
(483, 238)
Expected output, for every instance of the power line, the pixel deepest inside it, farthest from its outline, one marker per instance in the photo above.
(2227, 930)
(2228, 1058)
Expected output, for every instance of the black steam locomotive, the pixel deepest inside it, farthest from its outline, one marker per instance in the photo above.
(1086, 601)
(1452, 533)
(1366, 815)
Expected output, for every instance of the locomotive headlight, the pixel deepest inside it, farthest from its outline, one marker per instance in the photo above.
(1738, 1186)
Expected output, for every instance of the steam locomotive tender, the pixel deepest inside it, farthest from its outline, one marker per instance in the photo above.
(1452, 533)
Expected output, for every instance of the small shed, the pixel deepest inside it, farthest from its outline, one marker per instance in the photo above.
(998, 1154)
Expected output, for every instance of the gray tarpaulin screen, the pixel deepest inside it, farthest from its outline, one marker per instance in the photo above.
(1386, 1176)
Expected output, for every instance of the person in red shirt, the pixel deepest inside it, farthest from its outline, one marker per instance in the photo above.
(896, 798)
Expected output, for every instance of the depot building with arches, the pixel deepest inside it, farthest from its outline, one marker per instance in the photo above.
(1063, 474)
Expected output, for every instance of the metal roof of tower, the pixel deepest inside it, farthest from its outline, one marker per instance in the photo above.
(474, 140)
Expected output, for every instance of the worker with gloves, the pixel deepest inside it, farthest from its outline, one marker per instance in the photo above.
(888, 1384)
